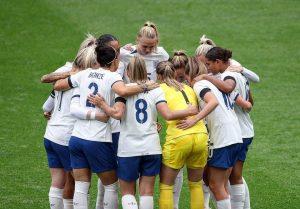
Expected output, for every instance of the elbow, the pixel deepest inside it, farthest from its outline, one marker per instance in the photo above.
(43, 79)
(122, 93)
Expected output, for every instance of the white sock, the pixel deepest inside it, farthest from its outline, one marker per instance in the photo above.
(247, 196)
(224, 204)
(80, 200)
(177, 188)
(56, 198)
(206, 192)
(68, 203)
(146, 202)
(237, 193)
(110, 199)
(100, 195)
(129, 202)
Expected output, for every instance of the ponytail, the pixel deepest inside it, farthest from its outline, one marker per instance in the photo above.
(166, 70)
(205, 45)
(179, 59)
(149, 30)
(137, 70)
(195, 68)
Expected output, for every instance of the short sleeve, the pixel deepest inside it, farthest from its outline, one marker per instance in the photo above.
(228, 75)
(74, 80)
(159, 96)
(164, 54)
(113, 78)
(201, 88)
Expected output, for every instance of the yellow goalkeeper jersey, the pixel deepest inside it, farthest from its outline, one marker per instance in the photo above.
(178, 100)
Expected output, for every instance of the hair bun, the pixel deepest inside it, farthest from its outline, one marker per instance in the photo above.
(205, 40)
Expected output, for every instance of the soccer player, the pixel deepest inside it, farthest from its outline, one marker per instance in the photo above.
(224, 130)
(139, 151)
(217, 60)
(182, 147)
(206, 44)
(179, 61)
(147, 42)
(90, 144)
(60, 126)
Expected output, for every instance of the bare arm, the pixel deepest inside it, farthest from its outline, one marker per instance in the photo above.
(226, 86)
(167, 114)
(246, 105)
(62, 85)
(122, 90)
(86, 114)
(52, 77)
(211, 103)
(117, 111)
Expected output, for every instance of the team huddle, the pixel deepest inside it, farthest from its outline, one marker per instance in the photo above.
(103, 118)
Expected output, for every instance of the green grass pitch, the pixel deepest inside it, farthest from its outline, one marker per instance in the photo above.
(38, 36)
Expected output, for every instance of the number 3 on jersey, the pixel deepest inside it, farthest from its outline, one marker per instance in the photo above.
(94, 87)
(141, 115)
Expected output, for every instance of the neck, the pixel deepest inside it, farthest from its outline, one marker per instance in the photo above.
(225, 66)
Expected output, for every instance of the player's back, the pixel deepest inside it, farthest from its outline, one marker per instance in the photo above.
(222, 122)
(93, 81)
(139, 134)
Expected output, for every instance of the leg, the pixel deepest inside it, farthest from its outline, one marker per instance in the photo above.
(217, 180)
(100, 195)
(128, 192)
(195, 185)
(69, 191)
(82, 178)
(58, 179)
(146, 188)
(177, 188)
(110, 182)
(167, 178)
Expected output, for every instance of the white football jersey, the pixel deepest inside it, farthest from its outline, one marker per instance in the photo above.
(151, 60)
(93, 81)
(60, 126)
(222, 122)
(242, 87)
(139, 134)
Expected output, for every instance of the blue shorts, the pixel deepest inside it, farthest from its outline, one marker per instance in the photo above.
(244, 149)
(97, 156)
(58, 155)
(131, 168)
(115, 142)
(225, 157)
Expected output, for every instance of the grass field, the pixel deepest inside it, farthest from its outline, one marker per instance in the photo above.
(38, 36)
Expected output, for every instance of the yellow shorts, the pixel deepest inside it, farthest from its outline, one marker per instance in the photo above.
(189, 149)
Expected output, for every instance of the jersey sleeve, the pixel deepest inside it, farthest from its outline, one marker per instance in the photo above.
(159, 96)
(49, 103)
(74, 80)
(228, 75)
(121, 69)
(201, 88)
(250, 75)
(164, 54)
(113, 78)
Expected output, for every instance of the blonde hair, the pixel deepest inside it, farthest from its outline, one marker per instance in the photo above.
(86, 56)
(195, 68)
(179, 59)
(149, 30)
(137, 70)
(205, 45)
(167, 72)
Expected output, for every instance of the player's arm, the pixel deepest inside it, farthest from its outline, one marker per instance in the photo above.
(116, 111)
(252, 76)
(124, 91)
(168, 114)
(246, 105)
(211, 103)
(227, 85)
(48, 106)
(85, 114)
(251, 98)
(52, 77)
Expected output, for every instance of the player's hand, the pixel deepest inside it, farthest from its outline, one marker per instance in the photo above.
(128, 47)
(96, 100)
(158, 126)
(199, 78)
(151, 85)
(235, 68)
(186, 123)
(193, 110)
(47, 115)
